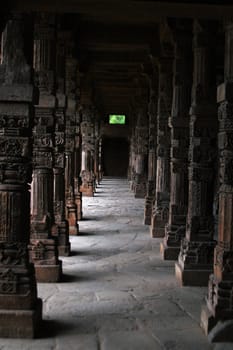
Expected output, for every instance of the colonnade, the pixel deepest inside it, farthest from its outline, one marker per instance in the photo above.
(190, 157)
(181, 160)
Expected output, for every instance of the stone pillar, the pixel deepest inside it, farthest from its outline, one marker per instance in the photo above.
(88, 150)
(100, 164)
(179, 123)
(43, 247)
(219, 305)
(20, 309)
(195, 261)
(77, 167)
(97, 161)
(71, 113)
(59, 152)
(132, 158)
(59, 182)
(141, 134)
(161, 205)
(152, 111)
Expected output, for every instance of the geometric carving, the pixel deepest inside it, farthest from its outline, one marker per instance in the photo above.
(38, 251)
(8, 282)
(18, 293)
(196, 254)
(160, 212)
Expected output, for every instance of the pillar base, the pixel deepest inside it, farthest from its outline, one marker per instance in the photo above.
(74, 230)
(88, 193)
(207, 320)
(147, 220)
(157, 232)
(64, 250)
(48, 273)
(192, 277)
(216, 330)
(21, 323)
(169, 253)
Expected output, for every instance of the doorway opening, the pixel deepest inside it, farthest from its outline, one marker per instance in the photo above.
(115, 156)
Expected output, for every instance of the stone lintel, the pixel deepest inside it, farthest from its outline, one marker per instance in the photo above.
(192, 277)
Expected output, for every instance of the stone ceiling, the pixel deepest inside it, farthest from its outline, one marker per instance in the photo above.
(116, 39)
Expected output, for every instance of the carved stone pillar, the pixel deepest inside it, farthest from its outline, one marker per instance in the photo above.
(77, 167)
(161, 205)
(20, 309)
(152, 111)
(71, 113)
(59, 153)
(43, 247)
(97, 160)
(88, 150)
(59, 182)
(219, 305)
(100, 164)
(179, 123)
(196, 255)
(141, 134)
(132, 158)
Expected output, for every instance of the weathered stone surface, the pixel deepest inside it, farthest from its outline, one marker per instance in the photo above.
(219, 306)
(43, 247)
(116, 290)
(195, 262)
(161, 204)
(20, 309)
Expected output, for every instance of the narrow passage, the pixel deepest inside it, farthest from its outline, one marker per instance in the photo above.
(117, 292)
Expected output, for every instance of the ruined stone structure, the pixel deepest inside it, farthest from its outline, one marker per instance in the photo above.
(62, 74)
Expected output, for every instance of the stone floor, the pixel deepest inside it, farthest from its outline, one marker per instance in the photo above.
(117, 293)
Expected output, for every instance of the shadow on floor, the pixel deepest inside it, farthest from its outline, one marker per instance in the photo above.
(52, 328)
(74, 278)
(82, 234)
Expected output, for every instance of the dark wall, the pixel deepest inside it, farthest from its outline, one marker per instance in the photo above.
(115, 156)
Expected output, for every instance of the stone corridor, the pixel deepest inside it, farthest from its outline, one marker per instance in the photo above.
(116, 292)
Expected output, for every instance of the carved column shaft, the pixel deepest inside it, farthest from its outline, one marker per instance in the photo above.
(43, 248)
(161, 205)
(77, 167)
(71, 111)
(196, 255)
(132, 157)
(20, 309)
(97, 153)
(88, 151)
(152, 161)
(59, 150)
(179, 123)
(141, 154)
(220, 290)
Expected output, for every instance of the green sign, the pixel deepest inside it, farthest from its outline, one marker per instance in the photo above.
(116, 119)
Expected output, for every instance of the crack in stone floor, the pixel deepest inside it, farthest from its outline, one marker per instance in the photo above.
(117, 293)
